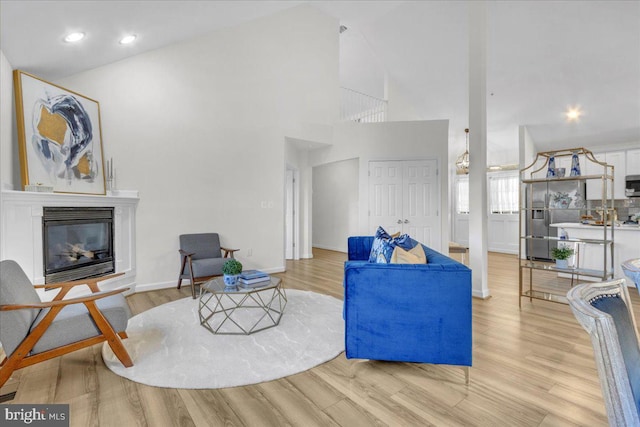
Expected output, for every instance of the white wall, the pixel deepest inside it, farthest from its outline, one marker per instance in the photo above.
(360, 69)
(9, 165)
(527, 147)
(399, 108)
(335, 204)
(389, 141)
(199, 129)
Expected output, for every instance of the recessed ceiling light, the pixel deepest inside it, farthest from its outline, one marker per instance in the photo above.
(74, 37)
(573, 114)
(128, 39)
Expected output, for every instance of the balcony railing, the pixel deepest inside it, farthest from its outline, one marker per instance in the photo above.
(362, 108)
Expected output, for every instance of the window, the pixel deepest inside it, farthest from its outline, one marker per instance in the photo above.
(462, 194)
(503, 192)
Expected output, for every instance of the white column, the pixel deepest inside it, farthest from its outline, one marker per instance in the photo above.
(478, 257)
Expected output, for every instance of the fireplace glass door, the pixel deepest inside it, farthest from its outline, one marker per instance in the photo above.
(78, 243)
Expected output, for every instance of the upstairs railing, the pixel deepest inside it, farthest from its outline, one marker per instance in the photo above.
(362, 108)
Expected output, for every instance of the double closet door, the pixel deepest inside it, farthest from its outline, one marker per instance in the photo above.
(404, 196)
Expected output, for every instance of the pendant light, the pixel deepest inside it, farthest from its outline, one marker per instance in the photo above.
(462, 163)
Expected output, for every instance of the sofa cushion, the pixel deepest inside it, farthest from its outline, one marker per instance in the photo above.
(415, 255)
(384, 244)
(381, 248)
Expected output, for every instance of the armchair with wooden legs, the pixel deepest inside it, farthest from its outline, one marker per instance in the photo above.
(201, 258)
(32, 331)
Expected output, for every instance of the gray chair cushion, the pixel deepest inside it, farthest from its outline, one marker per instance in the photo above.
(206, 267)
(204, 245)
(617, 309)
(15, 288)
(74, 323)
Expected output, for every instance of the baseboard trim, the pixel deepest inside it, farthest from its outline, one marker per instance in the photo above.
(480, 294)
(159, 285)
(331, 248)
(185, 282)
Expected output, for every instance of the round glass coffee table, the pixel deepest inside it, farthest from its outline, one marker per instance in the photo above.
(242, 311)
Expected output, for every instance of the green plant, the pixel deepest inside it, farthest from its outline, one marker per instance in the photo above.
(562, 252)
(232, 267)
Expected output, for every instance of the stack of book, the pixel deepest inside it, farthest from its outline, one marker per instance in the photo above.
(254, 278)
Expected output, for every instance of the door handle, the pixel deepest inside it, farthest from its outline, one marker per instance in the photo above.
(406, 221)
(399, 221)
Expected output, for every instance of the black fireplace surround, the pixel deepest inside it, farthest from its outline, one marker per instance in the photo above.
(78, 243)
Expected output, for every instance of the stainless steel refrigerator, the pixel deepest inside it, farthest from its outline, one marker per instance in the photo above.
(544, 195)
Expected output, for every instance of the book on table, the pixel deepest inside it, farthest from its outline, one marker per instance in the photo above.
(255, 283)
(253, 274)
(256, 280)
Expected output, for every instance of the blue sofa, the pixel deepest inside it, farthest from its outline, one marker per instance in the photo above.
(407, 312)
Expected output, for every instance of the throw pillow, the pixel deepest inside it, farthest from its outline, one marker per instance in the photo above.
(381, 248)
(384, 244)
(415, 255)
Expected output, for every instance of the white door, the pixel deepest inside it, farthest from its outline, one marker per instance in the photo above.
(404, 196)
(385, 196)
(421, 201)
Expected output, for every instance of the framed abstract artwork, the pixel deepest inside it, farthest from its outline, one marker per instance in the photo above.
(59, 137)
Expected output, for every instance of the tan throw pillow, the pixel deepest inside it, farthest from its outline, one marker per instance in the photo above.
(413, 256)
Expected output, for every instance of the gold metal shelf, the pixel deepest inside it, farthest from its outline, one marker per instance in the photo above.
(566, 178)
(536, 265)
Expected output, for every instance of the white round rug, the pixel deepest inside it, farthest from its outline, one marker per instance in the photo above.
(170, 348)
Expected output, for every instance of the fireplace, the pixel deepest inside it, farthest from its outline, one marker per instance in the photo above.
(77, 243)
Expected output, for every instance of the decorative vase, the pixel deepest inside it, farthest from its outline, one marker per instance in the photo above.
(230, 280)
(575, 165)
(562, 263)
(551, 170)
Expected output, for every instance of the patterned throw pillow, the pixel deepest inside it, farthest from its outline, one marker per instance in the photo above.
(384, 244)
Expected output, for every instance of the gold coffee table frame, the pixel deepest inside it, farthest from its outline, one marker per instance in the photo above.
(220, 308)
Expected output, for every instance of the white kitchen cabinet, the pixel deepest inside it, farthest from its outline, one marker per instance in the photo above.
(594, 187)
(633, 162)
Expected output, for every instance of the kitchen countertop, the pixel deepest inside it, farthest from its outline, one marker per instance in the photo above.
(621, 227)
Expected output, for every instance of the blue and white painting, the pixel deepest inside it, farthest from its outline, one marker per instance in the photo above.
(60, 135)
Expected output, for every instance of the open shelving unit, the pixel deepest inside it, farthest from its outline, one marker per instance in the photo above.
(534, 274)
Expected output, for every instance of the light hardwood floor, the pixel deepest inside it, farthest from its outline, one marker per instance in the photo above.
(531, 367)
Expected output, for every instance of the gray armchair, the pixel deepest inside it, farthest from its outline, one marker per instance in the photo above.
(201, 258)
(604, 311)
(32, 331)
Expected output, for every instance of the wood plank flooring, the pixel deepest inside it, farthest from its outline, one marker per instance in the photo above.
(532, 367)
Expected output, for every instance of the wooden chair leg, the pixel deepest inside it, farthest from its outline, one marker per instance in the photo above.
(467, 375)
(7, 369)
(193, 281)
(112, 338)
(184, 263)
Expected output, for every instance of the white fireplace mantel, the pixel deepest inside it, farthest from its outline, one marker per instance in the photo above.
(21, 229)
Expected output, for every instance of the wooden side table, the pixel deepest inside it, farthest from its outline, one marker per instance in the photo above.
(455, 248)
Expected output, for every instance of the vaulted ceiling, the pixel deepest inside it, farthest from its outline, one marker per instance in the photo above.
(542, 57)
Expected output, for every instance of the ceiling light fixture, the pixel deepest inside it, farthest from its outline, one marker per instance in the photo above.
(128, 39)
(74, 37)
(462, 163)
(573, 114)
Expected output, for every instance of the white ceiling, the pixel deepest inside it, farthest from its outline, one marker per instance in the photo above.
(542, 56)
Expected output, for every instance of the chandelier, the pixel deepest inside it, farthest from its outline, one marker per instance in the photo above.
(462, 163)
